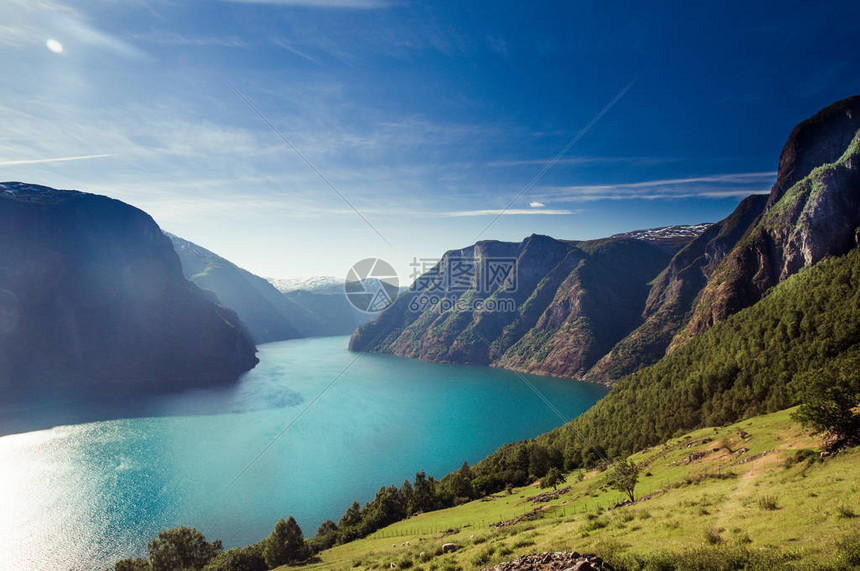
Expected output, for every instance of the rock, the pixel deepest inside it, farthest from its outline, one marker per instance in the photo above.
(449, 548)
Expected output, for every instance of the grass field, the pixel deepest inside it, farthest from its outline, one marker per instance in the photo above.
(718, 493)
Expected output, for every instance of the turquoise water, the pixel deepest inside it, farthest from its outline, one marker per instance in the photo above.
(81, 496)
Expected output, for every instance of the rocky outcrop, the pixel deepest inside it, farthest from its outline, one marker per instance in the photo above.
(813, 211)
(92, 295)
(558, 561)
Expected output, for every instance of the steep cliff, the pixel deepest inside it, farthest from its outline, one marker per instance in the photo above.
(92, 295)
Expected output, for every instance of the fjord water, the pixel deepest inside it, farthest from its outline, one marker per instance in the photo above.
(81, 496)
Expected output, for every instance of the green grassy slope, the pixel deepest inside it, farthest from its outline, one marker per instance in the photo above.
(744, 499)
(740, 368)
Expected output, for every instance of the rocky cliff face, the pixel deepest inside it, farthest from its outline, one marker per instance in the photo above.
(813, 211)
(564, 306)
(92, 295)
(674, 292)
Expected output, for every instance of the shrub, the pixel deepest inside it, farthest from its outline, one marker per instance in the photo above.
(848, 550)
(483, 556)
(845, 511)
(240, 559)
(713, 535)
(799, 456)
(768, 503)
(132, 565)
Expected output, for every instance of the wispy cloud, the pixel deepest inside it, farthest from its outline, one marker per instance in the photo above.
(27, 23)
(54, 160)
(581, 160)
(509, 212)
(712, 186)
(347, 4)
(536, 204)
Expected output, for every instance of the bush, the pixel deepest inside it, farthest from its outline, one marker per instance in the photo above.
(714, 535)
(768, 503)
(799, 456)
(828, 396)
(132, 565)
(845, 511)
(244, 559)
(848, 551)
(483, 556)
(553, 478)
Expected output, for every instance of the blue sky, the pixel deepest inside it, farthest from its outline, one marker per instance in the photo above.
(429, 118)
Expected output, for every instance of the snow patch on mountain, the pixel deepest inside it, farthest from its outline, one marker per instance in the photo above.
(666, 232)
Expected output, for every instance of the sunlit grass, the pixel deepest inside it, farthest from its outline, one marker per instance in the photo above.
(714, 501)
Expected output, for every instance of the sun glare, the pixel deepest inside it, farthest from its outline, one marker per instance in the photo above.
(55, 46)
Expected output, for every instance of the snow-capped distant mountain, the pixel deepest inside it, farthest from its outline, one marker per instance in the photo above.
(314, 283)
(667, 233)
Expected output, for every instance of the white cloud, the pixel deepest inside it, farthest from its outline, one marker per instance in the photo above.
(55, 160)
(711, 186)
(536, 204)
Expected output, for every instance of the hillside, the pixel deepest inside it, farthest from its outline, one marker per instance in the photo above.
(813, 211)
(673, 294)
(93, 294)
(571, 303)
(267, 313)
(751, 493)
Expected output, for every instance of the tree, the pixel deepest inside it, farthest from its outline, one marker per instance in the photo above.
(460, 482)
(286, 544)
(239, 559)
(181, 548)
(326, 537)
(423, 494)
(132, 565)
(623, 477)
(406, 493)
(828, 396)
(553, 478)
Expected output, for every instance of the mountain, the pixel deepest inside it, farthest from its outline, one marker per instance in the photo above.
(327, 284)
(267, 313)
(813, 212)
(92, 293)
(674, 292)
(558, 310)
(581, 311)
